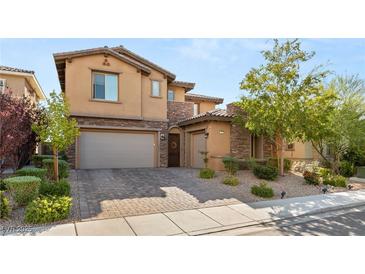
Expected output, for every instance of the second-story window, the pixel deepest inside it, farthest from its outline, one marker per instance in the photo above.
(2, 85)
(105, 86)
(196, 109)
(155, 88)
(171, 95)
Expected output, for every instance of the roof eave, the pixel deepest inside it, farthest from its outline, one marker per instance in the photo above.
(204, 119)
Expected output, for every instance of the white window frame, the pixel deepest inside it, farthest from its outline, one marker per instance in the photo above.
(3, 87)
(93, 84)
(196, 109)
(159, 88)
(173, 95)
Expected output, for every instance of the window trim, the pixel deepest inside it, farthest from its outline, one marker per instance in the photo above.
(2, 89)
(173, 95)
(93, 72)
(198, 108)
(159, 91)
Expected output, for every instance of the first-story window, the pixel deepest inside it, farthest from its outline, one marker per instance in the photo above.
(170, 95)
(290, 146)
(196, 109)
(2, 85)
(155, 88)
(105, 86)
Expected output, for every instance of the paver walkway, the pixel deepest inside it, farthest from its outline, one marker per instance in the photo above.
(205, 220)
(113, 193)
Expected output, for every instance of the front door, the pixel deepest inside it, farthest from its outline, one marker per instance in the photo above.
(174, 150)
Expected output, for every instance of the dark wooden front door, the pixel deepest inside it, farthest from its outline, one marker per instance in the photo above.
(174, 150)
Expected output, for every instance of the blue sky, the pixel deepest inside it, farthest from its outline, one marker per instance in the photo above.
(216, 65)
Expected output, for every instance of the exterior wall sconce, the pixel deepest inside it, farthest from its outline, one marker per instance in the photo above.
(221, 131)
(162, 137)
(206, 134)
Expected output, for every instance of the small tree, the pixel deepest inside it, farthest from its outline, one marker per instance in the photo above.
(278, 94)
(57, 129)
(204, 154)
(345, 126)
(17, 140)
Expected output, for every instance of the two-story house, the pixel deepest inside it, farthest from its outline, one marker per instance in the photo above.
(21, 82)
(133, 113)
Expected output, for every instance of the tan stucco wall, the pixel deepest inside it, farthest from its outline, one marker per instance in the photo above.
(301, 151)
(134, 89)
(217, 144)
(179, 93)
(19, 86)
(206, 106)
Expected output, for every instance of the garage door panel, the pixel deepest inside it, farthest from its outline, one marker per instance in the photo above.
(116, 150)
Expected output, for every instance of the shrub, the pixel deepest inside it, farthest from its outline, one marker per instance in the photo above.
(206, 173)
(262, 190)
(273, 162)
(23, 189)
(38, 159)
(231, 180)
(48, 209)
(4, 206)
(62, 168)
(32, 171)
(231, 165)
(346, 169)
(324, 172)
(2, 185)
(61, 188)
(251, 163)
(265, 172)
(336, 180)
(311, 178)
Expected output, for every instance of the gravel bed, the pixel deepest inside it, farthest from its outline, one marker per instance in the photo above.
(292, 183)
(16, 219)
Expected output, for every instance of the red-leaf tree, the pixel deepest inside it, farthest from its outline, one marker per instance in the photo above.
(17, 140)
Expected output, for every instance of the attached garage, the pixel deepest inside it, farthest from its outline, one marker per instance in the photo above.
(116, 149)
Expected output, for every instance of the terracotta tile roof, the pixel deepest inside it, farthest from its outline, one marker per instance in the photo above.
(187, 85)
(192, 96)
(10, 69)
(124, 51)
(212, 115)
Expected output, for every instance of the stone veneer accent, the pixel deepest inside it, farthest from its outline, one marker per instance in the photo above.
(111, 122)
(241, 139)
(177, 111)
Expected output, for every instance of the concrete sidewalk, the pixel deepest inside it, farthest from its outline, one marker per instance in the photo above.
(202, 221)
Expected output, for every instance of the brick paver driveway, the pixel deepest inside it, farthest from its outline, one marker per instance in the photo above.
(110, 193)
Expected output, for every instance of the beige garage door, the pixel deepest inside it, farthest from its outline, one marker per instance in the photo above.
(197, 145)
(116, 150)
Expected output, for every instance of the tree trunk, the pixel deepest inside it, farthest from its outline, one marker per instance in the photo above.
(281, 157)
(55, 163)
(320, 153)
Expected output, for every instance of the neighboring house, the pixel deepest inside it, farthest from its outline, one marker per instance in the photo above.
(21, 82)
(133, 113)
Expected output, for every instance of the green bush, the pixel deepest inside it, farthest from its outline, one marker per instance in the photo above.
(48, 209)
(4, 206)
(61, 188)
(206, 173)
(231, 180)
(2, 185)
(32, 171)
(346, 169)
(273, 162)
(262, 190)
(62, 168)
(23, 189)
(265, 172)
(231, 165)
(251, 163)
(37, 159)
(324, 172)
(311, 178)
(336, 181)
